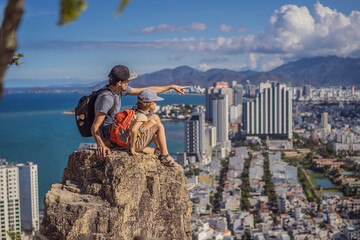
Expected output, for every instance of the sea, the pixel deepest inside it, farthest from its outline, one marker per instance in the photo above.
(33, 129)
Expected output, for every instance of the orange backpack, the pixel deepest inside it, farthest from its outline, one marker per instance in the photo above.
(119, 133)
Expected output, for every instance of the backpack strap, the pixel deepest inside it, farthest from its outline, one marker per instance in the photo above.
(114, 104)
(113, 107)
(138, 111)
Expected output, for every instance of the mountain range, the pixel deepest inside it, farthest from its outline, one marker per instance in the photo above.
(317, 71)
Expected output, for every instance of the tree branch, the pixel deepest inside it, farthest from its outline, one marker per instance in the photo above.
(8, 44)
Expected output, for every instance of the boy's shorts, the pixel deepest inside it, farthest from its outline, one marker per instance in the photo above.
(143, 140)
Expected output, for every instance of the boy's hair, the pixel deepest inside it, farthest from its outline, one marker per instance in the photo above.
(142, 105)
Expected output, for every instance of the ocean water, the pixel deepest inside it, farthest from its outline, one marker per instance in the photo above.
(32, 128)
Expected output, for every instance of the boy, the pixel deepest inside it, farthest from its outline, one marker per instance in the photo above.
(146, 129)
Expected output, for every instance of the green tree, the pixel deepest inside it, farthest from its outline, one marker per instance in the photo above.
(247, 236)
(13, 235)
(322, 225)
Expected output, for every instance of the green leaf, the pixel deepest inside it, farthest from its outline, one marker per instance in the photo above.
(71, 10)
(123, 5)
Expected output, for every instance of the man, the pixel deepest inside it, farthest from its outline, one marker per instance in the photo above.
(106, 108)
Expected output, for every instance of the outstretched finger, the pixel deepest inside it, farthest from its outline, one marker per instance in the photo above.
(182, 89)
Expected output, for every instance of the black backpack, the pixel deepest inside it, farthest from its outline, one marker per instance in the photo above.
(85, 112)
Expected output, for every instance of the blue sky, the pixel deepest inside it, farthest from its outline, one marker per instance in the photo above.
(155, 34)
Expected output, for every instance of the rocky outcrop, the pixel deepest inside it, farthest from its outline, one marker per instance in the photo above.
(122, 197)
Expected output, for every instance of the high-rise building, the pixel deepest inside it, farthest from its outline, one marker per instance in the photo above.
(219, 88)
(29, 196)
(265, 85)
(270, 113)
(250, 89)
(9, 199)
(233, 83)
(353, 90)
(298, 94)
(210, 139)
(307, 92)
(324, 121)
(181, 158)
(194, 134)
(236, 113)
(221, 118)
(238, 94)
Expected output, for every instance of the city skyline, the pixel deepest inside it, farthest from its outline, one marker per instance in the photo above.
(161, 34)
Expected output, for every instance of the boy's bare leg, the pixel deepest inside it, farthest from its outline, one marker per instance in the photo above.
(154, 119)
(150, 123)
(156, 142)
(160, 137)
(149, 150)
(159, 131)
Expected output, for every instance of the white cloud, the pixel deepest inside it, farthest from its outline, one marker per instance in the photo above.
(197, 26)
(173, 28)
(240, 29)
(225, 28)
(271, 62)
(293, 32)
(205, 67)
(253, 58)
(228, 28)
(300, 32)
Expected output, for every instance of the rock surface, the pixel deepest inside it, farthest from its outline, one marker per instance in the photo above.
(122, 197)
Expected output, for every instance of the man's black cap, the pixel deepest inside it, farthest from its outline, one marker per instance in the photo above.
(119, 73)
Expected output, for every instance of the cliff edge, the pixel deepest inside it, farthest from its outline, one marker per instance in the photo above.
(122, 197)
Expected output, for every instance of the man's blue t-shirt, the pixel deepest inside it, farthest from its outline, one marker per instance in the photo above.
(104, 102)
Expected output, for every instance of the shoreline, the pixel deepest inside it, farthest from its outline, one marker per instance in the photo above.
(162, 119)
(172, 120)
(68, 113)
(175, 93)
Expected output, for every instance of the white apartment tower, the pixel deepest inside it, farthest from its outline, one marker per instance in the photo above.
(221, 118)
(219, 88)
(236, 113)
(324, 121)
(9, 199)
(195, 133)
(29, 196)
(210, 140)
(270, 113)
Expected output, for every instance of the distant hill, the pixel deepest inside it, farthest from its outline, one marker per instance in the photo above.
(318, 71)
(323, 71)
(185, 75)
